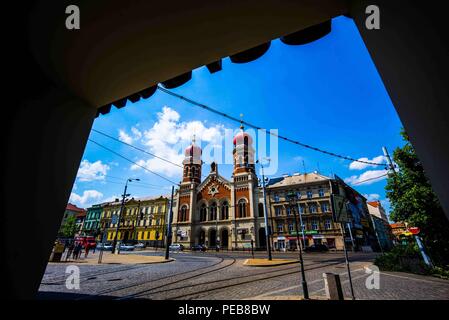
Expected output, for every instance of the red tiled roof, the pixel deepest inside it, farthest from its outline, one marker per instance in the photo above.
(397, 225)
(72, 207)
(374, 203)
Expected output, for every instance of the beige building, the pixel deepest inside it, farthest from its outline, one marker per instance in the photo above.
(309, 197)
(312, 192)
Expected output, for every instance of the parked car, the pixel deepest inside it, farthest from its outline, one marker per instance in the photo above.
(198, 247)
(126, 247)
(317, 248)
(140, 245)
(176, 247)
(104, 246)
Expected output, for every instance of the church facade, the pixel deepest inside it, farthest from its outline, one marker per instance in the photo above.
(215, 211)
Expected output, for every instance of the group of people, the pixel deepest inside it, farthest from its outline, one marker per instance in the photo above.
(75, 249)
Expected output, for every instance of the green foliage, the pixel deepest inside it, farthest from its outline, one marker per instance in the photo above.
(405, 258)
(69, 228)
(413, 200)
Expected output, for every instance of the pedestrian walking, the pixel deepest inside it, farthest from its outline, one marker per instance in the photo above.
(70, 249)
(86, 251)
(77, 251)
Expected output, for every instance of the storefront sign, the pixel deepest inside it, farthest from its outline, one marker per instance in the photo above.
(319, 236)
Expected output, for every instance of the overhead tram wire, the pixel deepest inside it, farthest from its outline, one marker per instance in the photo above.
(124, 180)
(360, 182)
(140, 149)
(133, 162)
(137, 148)
(198, 104)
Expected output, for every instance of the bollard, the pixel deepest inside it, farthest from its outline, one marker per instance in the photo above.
(332, 285)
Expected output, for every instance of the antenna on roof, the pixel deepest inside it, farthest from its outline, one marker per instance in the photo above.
(304, 166)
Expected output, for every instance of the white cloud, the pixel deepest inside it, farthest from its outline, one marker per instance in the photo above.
(86, 199)
(168, 137)
(123, 136)
(366, 178)
(372, 196)
(89, 171)
(360, 166)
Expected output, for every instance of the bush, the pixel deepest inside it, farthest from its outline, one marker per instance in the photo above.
(403, 258)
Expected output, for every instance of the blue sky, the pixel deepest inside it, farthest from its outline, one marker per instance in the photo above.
(327, 94)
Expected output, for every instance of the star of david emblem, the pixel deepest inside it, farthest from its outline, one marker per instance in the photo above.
(213, 190)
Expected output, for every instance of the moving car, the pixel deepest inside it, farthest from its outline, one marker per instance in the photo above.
(126, 247)
(176, 247)
(198, 247)
(104, 246)
(317, 248)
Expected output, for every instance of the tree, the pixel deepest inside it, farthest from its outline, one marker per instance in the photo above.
(69, 228)
(413, 201)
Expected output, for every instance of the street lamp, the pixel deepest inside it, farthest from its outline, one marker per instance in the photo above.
(292, 200)
(265, 210)
(114, 244)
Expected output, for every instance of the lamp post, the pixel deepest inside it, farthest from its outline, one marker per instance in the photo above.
(265, 211)
(292, 200)
(114, 243)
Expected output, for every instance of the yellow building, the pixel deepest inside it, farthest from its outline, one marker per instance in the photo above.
(143, 220)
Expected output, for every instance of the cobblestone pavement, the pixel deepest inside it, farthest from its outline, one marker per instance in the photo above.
(223, 276)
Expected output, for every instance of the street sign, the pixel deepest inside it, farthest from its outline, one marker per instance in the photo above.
(414, 230)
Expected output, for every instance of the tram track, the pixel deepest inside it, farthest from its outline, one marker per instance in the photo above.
(260, 276)
(134, 285)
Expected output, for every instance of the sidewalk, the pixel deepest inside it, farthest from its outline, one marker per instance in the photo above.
(123, 258)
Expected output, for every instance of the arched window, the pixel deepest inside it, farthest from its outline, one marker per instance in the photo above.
(261, 210)
(193, 172)
(225, 211)
(183, 214)
(213, 212)
(203, 212)
(242, 208)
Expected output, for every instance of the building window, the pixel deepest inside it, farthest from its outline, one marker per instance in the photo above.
(203, 212)
(324, 207)
(321, 192)
(290, 228)
(312, 208)
(277, 211)
(242, 208)
(280, 228)
(276, 197)
(183, 216)
(309, 194)
(314, 224)
(298, 195)
(327, 224)
(301, 209)
(225, 211)
(213, 212)
(260, 210)
(289, 211)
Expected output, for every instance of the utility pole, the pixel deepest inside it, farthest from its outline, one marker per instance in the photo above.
(114, 243)
(167, 236)
(265, 213)
(390, 163)
(303, 274)
(347, 262)
(137, 218)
